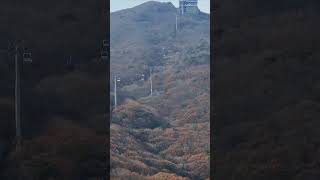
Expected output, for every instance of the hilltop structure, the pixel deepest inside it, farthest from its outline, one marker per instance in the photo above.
(188, 7)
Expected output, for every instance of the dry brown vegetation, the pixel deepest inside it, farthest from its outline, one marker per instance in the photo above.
(165, 136)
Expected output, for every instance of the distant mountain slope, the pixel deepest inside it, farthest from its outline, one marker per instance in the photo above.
(138, 35)
(143, 22)
(166, 135)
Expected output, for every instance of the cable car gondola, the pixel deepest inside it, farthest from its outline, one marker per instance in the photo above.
(105, 43)
(27, 57)
(104, 54)
(104, 51)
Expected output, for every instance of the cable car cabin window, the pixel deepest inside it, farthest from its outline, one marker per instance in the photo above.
(27, 57)
(105, 44)
(104, 54)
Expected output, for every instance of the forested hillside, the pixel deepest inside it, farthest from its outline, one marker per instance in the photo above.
(266, 96)
(63, 104)
(166, 135)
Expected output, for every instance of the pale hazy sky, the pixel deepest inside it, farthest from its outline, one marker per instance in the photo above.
(116, 5)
